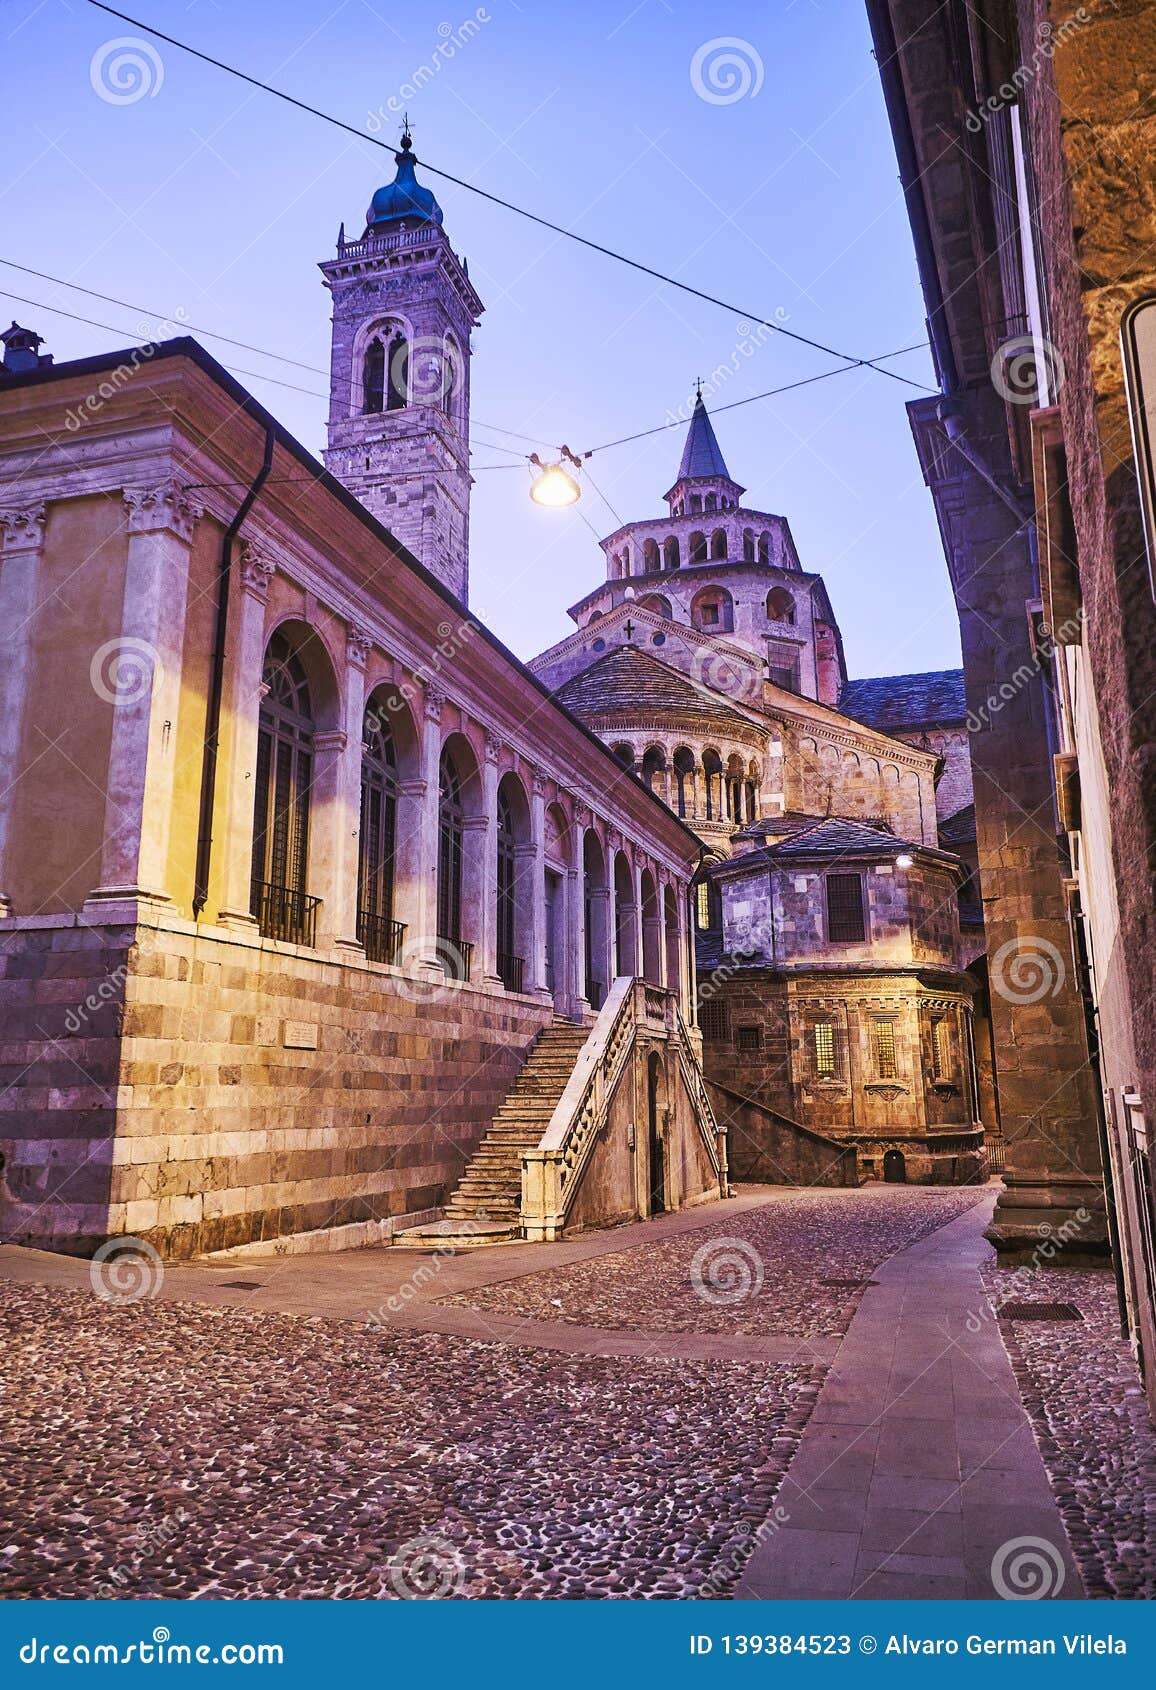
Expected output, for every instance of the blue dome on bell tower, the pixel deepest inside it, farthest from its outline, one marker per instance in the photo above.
(403, 200)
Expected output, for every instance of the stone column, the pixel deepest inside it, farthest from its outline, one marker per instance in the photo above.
(486, 843)
(421, 945)
(337, 843)
(243, 692)
(139, 674)
(576, 913)
(21, 550)
(536, 963)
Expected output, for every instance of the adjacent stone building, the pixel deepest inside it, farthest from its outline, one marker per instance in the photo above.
(1024, 135)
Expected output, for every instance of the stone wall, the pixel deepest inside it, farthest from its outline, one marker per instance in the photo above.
(206, 1090)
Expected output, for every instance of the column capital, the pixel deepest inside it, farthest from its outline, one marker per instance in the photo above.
(258, 567)
(435, 700)
(539, 781)
(166, 508)
(493, 745)
(358, 645)
(22, 528)
(582, 814)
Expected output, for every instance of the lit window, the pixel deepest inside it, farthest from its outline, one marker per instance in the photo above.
(885, 1049)
(702, 904)
(824, 1036)
(940, 1048)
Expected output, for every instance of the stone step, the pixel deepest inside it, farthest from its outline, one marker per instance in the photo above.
(458, 1233)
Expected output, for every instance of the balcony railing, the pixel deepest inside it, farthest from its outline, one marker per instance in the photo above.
(285, 912)
(510, 971)
(456, 957)
(381, 937)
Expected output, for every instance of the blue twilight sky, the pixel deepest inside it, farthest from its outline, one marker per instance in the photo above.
(773, 185)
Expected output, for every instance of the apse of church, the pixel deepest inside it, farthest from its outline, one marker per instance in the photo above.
(711, 661)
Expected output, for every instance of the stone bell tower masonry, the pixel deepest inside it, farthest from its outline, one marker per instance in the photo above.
(399, 389)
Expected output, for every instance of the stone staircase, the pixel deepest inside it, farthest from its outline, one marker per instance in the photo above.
(485, 1208)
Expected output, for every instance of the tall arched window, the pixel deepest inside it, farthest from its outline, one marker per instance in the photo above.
(718, 545)
(278, 899)
(451, 823)
(509, 965)
(670, 555)
(376, 928)
(697, 545)
(764, 548)
(748, 545)
(651, 557)
(397, 385)
(373, 378)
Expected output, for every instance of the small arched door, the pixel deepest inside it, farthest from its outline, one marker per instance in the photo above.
(894, 1167)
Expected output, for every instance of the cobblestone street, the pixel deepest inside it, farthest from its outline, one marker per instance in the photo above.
(667, 1411)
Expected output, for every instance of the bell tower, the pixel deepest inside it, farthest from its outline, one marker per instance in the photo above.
(399, 385)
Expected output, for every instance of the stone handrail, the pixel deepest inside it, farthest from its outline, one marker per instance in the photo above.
(552, 1171)
(713, 1136)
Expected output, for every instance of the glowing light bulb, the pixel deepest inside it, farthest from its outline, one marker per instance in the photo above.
(905, 860)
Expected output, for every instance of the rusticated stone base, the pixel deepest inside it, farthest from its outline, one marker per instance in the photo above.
(205, 1089)
(1057, 1222)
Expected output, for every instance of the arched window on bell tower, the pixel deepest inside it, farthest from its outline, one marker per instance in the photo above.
(373, 378)
(397, 375)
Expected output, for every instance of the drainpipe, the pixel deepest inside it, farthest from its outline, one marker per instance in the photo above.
(217, 683)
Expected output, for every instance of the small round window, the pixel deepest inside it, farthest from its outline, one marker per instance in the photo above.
(658, 639)
(599, 645)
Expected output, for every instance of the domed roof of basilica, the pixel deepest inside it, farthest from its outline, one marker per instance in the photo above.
(403, 200)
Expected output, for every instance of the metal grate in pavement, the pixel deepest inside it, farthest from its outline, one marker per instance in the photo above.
(1039, 1311)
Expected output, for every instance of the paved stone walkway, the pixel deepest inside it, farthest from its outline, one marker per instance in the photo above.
(918, 1474)
(867, 1441)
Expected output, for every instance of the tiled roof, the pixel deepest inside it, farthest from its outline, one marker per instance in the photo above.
(906, 701)
(834, 836)
(702, 454)
(958, 829)
(626, 678)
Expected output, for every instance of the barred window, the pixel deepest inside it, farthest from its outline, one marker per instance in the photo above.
(940, 1048)
(749, 1038)
(885, 1049)
(714, 1020)
(823, 1035)
(845, 921)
